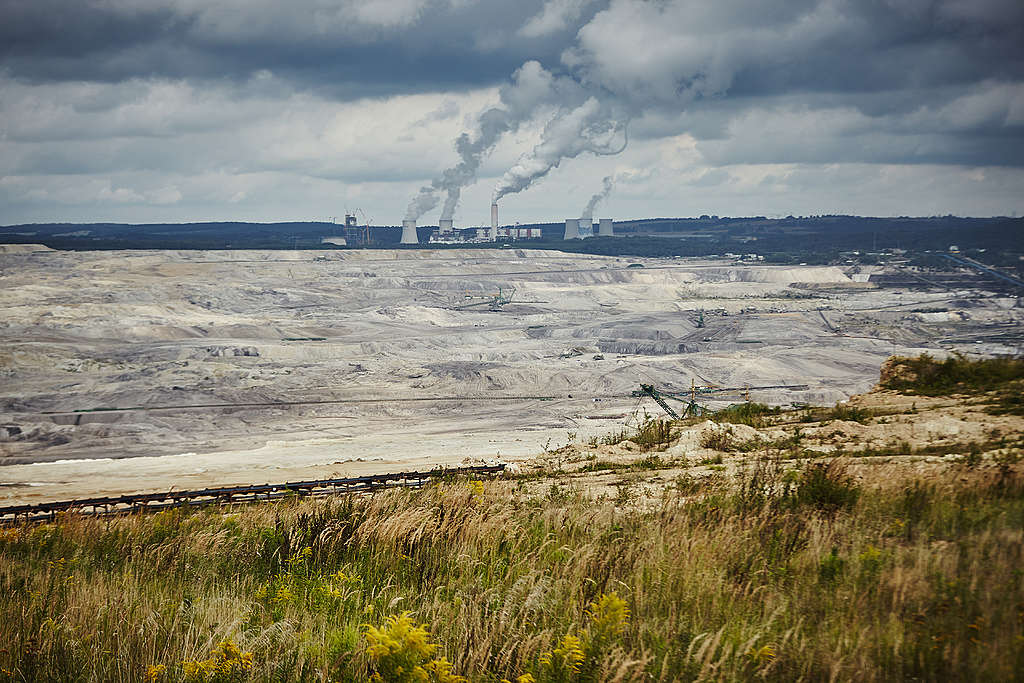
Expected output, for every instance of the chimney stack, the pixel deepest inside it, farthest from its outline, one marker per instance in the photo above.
(494, 220)
(572, 229)
(409, 232)
(604, 229)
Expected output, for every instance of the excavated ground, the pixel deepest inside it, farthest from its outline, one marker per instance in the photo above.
(145, 370)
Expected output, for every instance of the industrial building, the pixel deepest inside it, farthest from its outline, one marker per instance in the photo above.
(446, 232)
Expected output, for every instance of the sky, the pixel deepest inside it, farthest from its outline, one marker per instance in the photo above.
(260, 110)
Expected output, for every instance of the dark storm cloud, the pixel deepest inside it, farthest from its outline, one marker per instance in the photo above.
(450, 46)
(641, 51)
(379, 91)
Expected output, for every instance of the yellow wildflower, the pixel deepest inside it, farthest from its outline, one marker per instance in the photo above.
(525, 678)
(609, 614)
(228, 664)
(567, 657)
(400, 650)
(283, 595)
(154, 672)
(761, 655)
(400, 633)
(440, 670)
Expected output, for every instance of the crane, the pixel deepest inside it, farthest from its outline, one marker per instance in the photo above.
(366, 227)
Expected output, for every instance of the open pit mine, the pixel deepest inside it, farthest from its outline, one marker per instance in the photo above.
(149, 370)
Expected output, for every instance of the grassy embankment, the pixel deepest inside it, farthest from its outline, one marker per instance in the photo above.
(789, 570)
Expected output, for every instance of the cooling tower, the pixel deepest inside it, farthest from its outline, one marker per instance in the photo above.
(572, 229)
(444, 226)
(604, 228)
(409, 232)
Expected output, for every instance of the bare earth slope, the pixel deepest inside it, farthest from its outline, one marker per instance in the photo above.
(895, 436)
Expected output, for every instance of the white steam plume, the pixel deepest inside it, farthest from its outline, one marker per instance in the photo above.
(532, 87)
(589, 127)
(422, 202)
(588, 210)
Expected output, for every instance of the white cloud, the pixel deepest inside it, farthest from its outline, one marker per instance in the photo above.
(556, 15)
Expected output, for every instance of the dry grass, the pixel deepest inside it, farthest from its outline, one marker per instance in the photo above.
(777, 574)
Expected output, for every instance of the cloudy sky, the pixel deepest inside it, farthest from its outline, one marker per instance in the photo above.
(264, 110)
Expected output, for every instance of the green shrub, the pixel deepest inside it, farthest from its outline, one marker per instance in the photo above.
(653, 433)
(957, 374)
(831, 567)
(753, 414)
(1009, 401)
(850, 414)
(827, 487)
(718, 439)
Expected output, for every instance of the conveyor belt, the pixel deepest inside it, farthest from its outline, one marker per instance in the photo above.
(144, 502)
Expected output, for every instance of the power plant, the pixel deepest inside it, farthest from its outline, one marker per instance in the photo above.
(446, 232)
(409, 232)
(572, 229)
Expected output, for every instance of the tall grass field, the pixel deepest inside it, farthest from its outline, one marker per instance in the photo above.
(785, 568)
(783, 572)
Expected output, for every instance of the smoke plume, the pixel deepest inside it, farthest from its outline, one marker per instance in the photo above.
(531, 89)
(422, 202)
(588, 210)
(589, 127)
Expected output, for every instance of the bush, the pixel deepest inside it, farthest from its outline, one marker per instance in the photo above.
(849, 413)
(653, 433)
(828, 487)
(1009, 401)
(753, 414)
(718, 439)
(831, 567)
(927, 376)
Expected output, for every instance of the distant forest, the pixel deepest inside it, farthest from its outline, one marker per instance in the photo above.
(816, 239)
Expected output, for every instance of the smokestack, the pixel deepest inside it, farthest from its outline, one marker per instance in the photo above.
(494, 220)
(445, 226)
(572, 229)
(409, 232)
(604, 228)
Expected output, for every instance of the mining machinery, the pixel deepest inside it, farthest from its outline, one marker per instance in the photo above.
(493, 301)
(702, 391)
